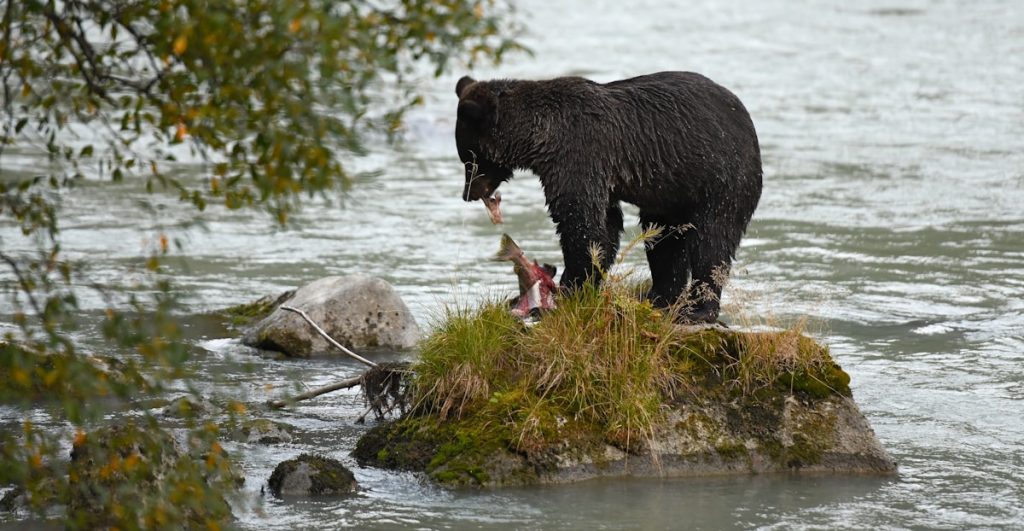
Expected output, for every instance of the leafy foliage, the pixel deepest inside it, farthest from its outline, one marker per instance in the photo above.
(271, 96)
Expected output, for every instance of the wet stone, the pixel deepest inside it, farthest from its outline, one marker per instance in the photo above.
(264, 431)
(311, 475)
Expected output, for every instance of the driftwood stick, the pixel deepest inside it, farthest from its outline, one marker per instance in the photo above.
(361, 419)
(327, 337)
(344, 384)
(375, 403)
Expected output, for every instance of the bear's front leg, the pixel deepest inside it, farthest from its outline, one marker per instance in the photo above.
(581, 225)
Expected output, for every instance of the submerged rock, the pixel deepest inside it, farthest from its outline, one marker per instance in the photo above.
(357, 311)
(727, 411)
(188, 407)
(311, 475)
(264, 431)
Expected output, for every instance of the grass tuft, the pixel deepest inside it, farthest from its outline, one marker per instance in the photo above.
(464, 359)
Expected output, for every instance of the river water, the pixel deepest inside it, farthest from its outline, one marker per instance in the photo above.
(892, 217)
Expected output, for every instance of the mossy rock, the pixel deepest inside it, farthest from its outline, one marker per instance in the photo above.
(246, 314)
(311, 475)
(482, 451)
(739, 402)
(451, 454)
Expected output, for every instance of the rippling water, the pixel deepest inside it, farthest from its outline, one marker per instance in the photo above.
(892, 216)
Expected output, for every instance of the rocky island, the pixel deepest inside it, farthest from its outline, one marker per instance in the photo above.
(606, 385)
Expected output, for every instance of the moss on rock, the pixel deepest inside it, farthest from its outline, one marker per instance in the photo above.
(248, 313)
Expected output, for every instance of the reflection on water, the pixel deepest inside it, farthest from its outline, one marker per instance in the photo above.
(893, 137)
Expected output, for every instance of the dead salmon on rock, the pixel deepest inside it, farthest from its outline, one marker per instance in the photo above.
(537, 286)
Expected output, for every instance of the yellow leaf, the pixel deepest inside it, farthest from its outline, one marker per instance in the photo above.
(295, 25)
(179, 135)
(131, 461)
(20, 376)
(180, 45)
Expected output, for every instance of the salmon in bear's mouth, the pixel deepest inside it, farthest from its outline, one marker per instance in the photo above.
(493, 204)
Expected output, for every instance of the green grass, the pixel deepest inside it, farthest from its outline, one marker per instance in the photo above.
(602, 361)
(602, 358)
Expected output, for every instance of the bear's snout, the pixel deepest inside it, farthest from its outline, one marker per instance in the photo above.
(477, 189)
(469, 193)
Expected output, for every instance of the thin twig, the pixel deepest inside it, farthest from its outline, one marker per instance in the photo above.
(344, 384)
(327, 337)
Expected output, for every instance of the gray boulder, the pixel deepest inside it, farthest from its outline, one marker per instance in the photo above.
(357, 311)
(311, 475)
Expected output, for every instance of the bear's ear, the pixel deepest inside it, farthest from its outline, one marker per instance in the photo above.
(463, 83)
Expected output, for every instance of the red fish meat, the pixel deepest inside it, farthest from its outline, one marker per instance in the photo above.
(537, 286)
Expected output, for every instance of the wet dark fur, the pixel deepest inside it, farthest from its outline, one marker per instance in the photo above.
(675, 144)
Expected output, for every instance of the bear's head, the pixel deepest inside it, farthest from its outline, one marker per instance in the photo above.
(475, 138)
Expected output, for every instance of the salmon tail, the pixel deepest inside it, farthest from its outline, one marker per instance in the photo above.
(509, 250)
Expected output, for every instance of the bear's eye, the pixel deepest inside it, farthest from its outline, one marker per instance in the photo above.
(470, 111)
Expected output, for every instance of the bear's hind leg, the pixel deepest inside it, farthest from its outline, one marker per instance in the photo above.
(670, 267)
(709, 269)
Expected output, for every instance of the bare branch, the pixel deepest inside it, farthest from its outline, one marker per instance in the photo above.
(327, 337)
(344, 384)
